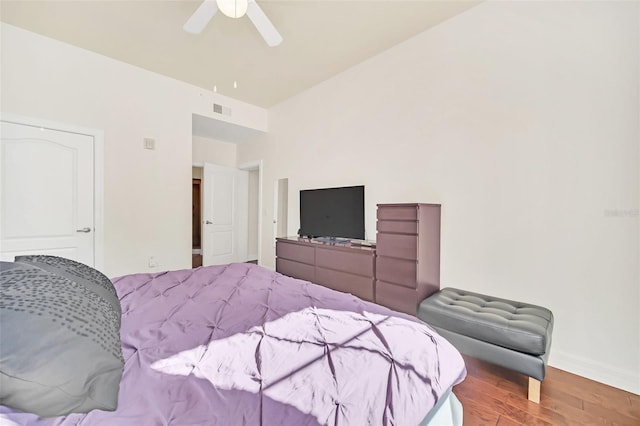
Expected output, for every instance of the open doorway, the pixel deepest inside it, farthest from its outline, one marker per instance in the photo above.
(215, 143)
(247, 249)
(196, 218)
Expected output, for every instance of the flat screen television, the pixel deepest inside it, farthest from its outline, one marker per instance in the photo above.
(332, 212)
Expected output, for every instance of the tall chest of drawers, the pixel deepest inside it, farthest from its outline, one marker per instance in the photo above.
(407, 255)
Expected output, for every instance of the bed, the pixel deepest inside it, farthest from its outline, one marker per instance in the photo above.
(240, 344)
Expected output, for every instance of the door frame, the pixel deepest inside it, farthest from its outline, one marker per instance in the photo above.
(252, 166)
(98, 172)
(277, 200)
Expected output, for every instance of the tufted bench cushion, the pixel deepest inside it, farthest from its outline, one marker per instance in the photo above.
(518, 326)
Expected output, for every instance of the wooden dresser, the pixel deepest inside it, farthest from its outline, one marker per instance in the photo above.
(408, 255)
(342, 267)
(399, 273)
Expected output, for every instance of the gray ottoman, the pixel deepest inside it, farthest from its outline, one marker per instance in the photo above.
(511, 334)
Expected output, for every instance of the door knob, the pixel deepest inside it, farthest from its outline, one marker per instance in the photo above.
(208, 222)
(84, 230)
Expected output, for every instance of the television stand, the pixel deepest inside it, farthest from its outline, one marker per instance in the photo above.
(339, 266)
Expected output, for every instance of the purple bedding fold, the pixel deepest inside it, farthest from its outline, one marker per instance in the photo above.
(242, 345)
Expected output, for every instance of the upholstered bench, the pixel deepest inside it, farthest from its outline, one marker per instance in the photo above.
(503, 332)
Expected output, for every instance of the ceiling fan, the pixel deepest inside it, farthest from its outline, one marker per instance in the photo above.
(234, 9)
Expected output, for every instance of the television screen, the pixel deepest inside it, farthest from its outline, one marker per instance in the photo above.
(332, 212)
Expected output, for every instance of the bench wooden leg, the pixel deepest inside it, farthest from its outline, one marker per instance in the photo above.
(534, 390)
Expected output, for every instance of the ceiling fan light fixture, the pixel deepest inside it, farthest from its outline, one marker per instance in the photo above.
(233, 8)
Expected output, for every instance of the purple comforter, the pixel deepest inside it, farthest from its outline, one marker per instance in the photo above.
(241, 345)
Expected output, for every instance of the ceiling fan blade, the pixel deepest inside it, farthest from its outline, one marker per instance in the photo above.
(201, 17)
(263, 24)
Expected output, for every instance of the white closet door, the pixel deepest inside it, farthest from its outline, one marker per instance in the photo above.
(46, 193)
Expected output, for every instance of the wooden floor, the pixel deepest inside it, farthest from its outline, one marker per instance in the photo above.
(492, 395)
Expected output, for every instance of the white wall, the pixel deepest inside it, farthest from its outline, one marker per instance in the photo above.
(147, 205)
(207, 150)
(196, 172)
(522, 119)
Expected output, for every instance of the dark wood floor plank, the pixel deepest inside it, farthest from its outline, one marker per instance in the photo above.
(521, 402)
(557, 413)
(538, 410)
(494, 395)
(506, 421)
(615, 417)
(475, 414)
(551, 395)
(572, 414)
(634, 403)
(595, 395)
(518, 388)
(599, 391)
(490, 399)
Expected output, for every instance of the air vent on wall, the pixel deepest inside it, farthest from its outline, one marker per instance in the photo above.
(221, 109)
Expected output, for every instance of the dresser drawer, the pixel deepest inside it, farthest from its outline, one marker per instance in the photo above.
(397, 245)
(398, 226)
(353, 262)
(295, 269)
(397, 297)
(398, 271)
(357, 285)
(398, 212)
(296, 252)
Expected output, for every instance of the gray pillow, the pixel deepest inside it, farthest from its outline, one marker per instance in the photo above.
(60, 347)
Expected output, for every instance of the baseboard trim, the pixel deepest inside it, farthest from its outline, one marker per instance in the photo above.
(603, 373)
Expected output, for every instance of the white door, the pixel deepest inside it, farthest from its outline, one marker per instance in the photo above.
(225, 215)
(46, 193)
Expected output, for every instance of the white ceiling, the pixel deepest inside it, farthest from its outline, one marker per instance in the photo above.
(321, 38)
